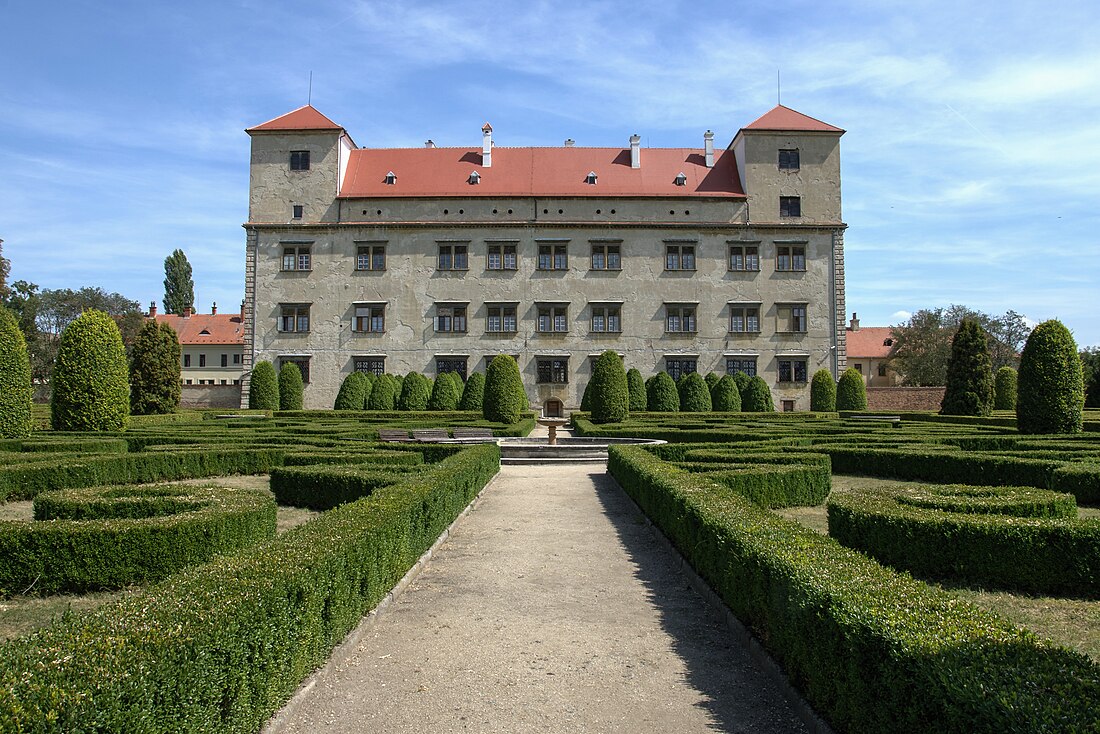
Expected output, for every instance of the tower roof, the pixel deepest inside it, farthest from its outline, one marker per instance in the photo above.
(781, 118)
(304, 118)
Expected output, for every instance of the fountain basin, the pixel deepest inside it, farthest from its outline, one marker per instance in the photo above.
(566, 450)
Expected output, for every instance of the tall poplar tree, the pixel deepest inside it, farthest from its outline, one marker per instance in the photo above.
(179, 288)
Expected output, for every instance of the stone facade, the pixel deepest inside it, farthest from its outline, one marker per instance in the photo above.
(442, 278)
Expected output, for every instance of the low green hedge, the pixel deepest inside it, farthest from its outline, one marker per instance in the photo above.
(1080, 480)
(915, 529)
(59, 443)
(220, 647)
(109, 537)
(324, 487)
(367, 456)
(941, 467)
(872, 650)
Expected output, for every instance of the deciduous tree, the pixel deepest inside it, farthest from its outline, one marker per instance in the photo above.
(179, 287)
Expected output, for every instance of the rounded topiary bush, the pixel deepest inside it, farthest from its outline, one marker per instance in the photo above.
(610, 398)
(851, 393)
(1050, 389)
(384, 394)
(742, 380)
(353, 392)
(1004, 389)
(291, 387)
(586, 397)
(823, 392)
(694, 394)
(661, 394)
(15, 379)
(969, 388)
(446, 392)
(505, 399)
(636, 386)
(155, 370)
(725, 397)
(91, 382)
(263, 393)
(416, 390)
(712, 379)
(473, 394)
(757, 397)
(369, 378)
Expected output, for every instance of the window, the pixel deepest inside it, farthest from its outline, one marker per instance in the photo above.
(301, 362)
(296, 258)
(501, 318)
(299, 160)
(790, 206)
(882, 370)
(552, 318)
(187, 360)
(553, 257)
(370, 318)
(790, 257)
(225, 360)
(297, 211)
(188, 382)
(590, 178)
(792, 370)
(745, 319)
(225, 382)
(858, 367)
(501, 257)
(370, 257)
(453, 257)
(236, 359)
(450, 318)
(606, 257)
(744, 257)
(679, 257)
(677, 367)
(788, 160)
(680, 319)
(790, 318)
(451, 364)
(747, 365)
(607, 318)
(552, 370)
(292, 317)
(681, 179)
(372, 365)
(391, 178)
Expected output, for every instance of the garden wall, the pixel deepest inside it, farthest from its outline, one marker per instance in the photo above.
(212, 396)
(904, 398)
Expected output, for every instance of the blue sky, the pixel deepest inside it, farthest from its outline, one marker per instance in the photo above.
(971, 166)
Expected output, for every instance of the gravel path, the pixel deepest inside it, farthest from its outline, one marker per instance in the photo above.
(550, 608)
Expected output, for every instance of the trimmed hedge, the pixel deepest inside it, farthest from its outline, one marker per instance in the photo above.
(851, 392)
(1051, 389)
(263, 389)
(636, 388)
(446, 392)
(610, 394)
(823, 392)
(321, 488)
(353, 392)
(90, 385)
(473, 393)
(661, 394)
(416, 390)
(872, 650)
(222, 646)
(694, 394)
(15, 379)
(291, 387)
(505, 399)
(757, 396)
(725, 397)
(109, 537)
(385, 393)
(1004, 389)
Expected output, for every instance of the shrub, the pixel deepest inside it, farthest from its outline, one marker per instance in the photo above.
(15, 379)
(636, 386)
(742, 381)
(1004, 389)
(726, 397)
(712, 379)
(610, 395)
(851, 393)
(473, 393)
(90, 383)
(353, 392)
(446, 392)
(823, 392)
(586, 397)
(505, 399)
(969, 389)
(757, 397)
(369, 378)
(694, 394)
(1051, 391)
(416, 390)
(384, 394)
(290, 387)
(263, 391)
(155, 370)
(661, 394)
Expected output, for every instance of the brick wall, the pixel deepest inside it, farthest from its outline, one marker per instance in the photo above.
(904, 398)
(211, 396)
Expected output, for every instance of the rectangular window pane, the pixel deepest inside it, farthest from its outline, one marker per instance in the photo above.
(687, 256)
(373, 365)
(461, 262)
(510, 257)
(495, 262)
(672, 258)
(599, 260)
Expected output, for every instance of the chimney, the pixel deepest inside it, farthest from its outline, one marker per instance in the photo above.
(186, 312)
(214, 309)
(708, 147)
(429, 144)
(854, 326)
(487, 145)
(569, 143)
(635, 151)
(242, 310)
(152, 309)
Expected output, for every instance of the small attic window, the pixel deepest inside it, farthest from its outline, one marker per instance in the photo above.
(888, 343)
(475, 178)
(204, 332)
(391, 178)
(590, 178)
(681, 179)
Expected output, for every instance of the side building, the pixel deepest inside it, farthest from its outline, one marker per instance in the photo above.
(212, 356)
(438, 259)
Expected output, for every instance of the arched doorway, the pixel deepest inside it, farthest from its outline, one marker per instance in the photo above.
(552, 408)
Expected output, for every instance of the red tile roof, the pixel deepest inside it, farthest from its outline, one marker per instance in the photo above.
(869, 342)
(561, 171)
(219, 328)
(303, 118)
(781, 118)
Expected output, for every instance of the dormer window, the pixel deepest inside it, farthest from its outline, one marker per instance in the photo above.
(590, 178)
(681, 179)
(204, 332)
(474, 179)
(391, 178)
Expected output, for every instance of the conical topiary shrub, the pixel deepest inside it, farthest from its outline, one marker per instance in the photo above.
(91, 382)
(742, 381)
(851, 393)
(446, 392)
(369, 378)
(661, 394)
(1004, 389)
(291, 388)
(353, 392)
(416, 390)
(384, 394)
(823, 392)
(15, 379)
(610, 398)
(636, 385)
(263, 392)
(969, 388)
(1050, 393)
(712, 379)
(757, 397)
(694, 394)
(505, 399)
(473, 393)
(725, 397)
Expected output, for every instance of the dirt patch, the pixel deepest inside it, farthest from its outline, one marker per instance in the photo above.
(21, 615)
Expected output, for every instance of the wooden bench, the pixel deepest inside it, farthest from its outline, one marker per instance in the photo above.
(393, 435)
(470, 434)
(430, 434)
